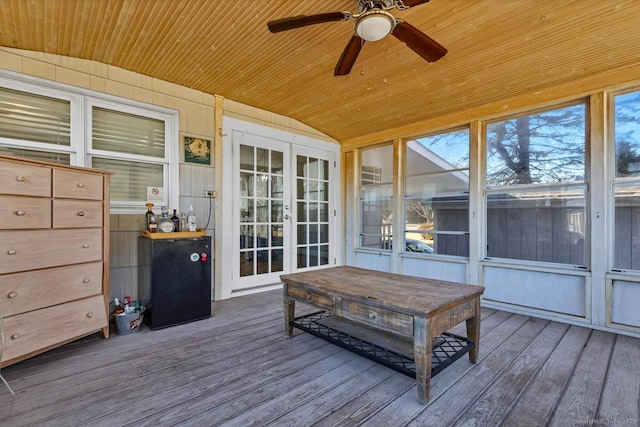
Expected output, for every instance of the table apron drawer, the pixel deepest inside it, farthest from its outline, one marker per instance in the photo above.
(448, 319)
(380, 318)
(313, 298)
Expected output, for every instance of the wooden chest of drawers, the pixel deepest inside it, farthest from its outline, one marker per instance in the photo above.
(54, 246)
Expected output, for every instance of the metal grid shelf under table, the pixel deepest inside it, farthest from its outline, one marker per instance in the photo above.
(447, 347)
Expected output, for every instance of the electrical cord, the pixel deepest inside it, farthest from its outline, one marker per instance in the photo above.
(2, 344)
(210, 209)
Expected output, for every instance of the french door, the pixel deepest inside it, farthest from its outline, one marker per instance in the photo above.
(283, 209)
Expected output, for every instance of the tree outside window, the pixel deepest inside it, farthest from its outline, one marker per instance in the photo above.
(536, 193)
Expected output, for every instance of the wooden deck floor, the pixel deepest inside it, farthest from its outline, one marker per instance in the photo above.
(237, 369)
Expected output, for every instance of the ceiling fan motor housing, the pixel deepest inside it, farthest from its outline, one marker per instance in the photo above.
(364, 5)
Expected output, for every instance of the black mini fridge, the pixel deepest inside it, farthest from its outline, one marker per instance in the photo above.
(174, 280)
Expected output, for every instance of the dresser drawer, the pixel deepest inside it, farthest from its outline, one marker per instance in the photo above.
(35, 331)
(76, 213)
(77, 185)
(378, 317)
(32, 250)
(25, 179)
(314, 298)
(22, 292)
(24, 212)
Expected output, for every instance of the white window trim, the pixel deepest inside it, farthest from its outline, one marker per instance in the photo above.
(82, 100)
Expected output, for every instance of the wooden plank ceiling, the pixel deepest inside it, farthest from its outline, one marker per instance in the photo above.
(497, 49)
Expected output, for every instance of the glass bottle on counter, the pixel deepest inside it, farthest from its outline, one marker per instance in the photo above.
(191, 219)
(148, 215)
(183, 221)
(165, 225)
(153, 225)
(176, 220)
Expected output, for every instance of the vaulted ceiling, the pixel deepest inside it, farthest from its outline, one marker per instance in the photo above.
(496, 49)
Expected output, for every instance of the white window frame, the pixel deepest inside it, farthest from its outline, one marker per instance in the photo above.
(488, 190)
(81, 151)
(456, 171)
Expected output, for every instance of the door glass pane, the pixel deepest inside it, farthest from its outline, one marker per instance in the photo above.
(246, 264)
(262, 160)
(277, 214)
(324, 254)
(302, 234)
(302, 212)
(246, 157)
(277, 162)
(276, 260)
(302, 256)
(246, 236)
(262, 185)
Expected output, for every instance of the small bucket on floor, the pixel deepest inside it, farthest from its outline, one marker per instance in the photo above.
(127, 324)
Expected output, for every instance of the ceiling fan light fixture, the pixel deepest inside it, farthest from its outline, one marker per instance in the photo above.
(374, 25)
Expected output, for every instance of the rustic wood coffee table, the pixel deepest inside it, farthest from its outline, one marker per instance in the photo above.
(379, 315)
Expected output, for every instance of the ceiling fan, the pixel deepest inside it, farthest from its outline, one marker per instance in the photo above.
(373, 21)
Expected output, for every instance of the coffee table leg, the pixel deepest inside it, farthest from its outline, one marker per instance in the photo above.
(422, 348)
(473, 332)
(289, 312)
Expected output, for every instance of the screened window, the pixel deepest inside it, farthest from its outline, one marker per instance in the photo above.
(376, 198)
(133, 148)
(29, 117)
(437, 194)
(626, 185)
(536, 193)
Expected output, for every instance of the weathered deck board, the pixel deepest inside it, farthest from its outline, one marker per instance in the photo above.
(580, 399)
(237, 369)
(539, 399)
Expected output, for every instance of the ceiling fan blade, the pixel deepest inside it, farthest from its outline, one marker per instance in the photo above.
(411, 3)
(292, 22)
(349, 56)
(419, 42)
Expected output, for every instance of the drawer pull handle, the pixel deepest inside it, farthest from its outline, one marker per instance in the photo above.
(85, 245)
(80, 185)
(12, 294)
(20, 178)
(372, 315)
(12, 251)
(85, 280)
(89, 315)
(80, 213)
(15, 336)
(20, 212)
